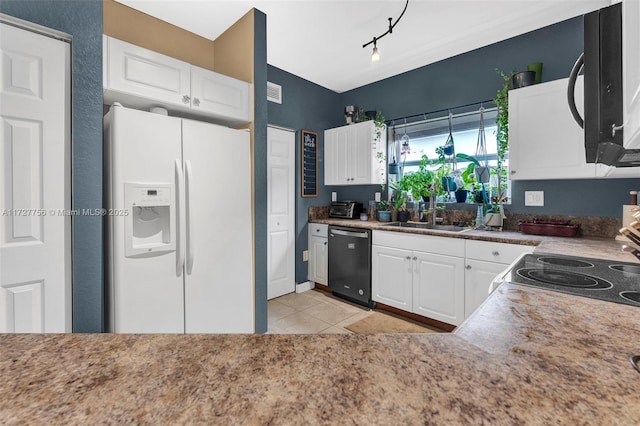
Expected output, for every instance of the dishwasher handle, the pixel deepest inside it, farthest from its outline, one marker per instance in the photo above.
(350, 233)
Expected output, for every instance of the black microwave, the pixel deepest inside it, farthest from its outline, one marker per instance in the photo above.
(603, 90)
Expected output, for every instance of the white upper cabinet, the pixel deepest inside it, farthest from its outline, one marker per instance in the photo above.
(219, 95)
(351, 155)
(545, 142)
(140, 78)
(141, 73)
(631, 72)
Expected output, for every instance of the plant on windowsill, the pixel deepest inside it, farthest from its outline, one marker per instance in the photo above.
(383, 213)
(470, 178)
(443, 181)
(466, 183)
(417, 183)
(400, 206)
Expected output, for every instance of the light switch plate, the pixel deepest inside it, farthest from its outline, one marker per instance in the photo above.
(334, 196)
(305, 255)
(534, 198)
(377, 197)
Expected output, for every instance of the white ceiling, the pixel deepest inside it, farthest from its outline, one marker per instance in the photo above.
(321, 40)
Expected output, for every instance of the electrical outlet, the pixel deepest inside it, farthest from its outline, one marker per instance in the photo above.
(305, 256)
(534, 198)
(334, 196)
(377, 197)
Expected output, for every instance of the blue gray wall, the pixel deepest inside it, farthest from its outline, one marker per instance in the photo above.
(260, 168)
(471, 77)
(307, 106)
(83, 20)
(459, 80)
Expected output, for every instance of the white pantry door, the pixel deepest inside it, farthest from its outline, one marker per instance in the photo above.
(35, 237)
(281, 192)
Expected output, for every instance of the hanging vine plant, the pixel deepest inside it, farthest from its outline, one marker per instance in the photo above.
(502, 134)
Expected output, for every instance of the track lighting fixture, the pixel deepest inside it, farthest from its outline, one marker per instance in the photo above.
(375, 56)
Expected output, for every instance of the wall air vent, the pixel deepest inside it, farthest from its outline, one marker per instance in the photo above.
(274, 92)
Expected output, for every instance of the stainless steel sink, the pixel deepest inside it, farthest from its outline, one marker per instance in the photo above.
(419, 225)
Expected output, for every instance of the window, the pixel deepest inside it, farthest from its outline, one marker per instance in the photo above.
(409, 142)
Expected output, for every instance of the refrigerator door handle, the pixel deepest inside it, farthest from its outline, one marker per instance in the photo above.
(188, 216)
(179, 213)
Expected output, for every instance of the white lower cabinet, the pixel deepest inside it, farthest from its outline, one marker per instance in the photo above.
(422, 274)
(441, 278)
(477, 279)
(318, 259)
(484, 261)
(392, 277)
(438, 287)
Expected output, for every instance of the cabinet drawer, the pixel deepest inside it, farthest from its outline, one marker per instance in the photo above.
(424, 243)
(495, 252)
(319, 230)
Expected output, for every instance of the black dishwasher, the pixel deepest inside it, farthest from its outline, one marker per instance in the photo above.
(350, 264)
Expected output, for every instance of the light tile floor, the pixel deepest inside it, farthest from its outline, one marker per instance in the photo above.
(312, 312)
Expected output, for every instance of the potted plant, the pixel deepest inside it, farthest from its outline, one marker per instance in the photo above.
(470, 176)
(444, 182)
(418, 183)
(466, 183)
(383, 214)
(400, 205)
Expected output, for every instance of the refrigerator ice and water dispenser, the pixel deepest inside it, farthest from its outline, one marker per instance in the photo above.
(149, 229)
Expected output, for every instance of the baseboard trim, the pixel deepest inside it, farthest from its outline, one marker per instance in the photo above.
(419, 318)
(323, 287)
(305, 286)
(410, 315)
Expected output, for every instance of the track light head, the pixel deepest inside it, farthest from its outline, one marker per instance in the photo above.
(375, 56)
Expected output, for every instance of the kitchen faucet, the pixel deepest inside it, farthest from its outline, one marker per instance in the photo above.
(433, 204)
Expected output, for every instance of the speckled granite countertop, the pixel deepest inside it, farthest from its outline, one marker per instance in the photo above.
(527, 356)
(600, 248)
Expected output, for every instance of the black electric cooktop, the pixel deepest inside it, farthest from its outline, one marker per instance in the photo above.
(595, 278)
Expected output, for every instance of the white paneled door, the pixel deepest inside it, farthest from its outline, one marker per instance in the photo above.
(35, 231)
(281, 212)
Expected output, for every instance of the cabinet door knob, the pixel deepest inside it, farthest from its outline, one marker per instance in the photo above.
(186, 99)
(495, 253)
(468, 266)
(325, 243)
(408, 257)
(415, 258)
(513, 172)
(196, 102)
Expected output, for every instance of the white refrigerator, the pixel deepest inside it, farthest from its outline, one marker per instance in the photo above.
(179, 225)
